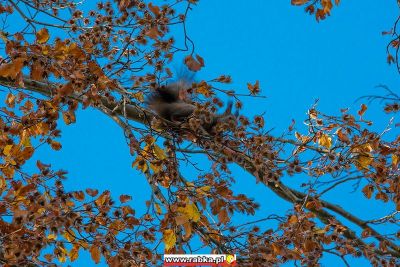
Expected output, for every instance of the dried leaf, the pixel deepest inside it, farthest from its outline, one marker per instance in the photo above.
(254, 88)
(153, 33)
(10, 100)
(368, 190)
(299, 2)
(158, 208)
(79, 195)
(362, 110)
(159, 152)
(95, 253)
(37, 71)
(55, 145)
(325, 141)
(191, 211)
(11, 70)
(69, 117)
(395, 160)
(42, 36)
(188, 230)
(102, 198)
(92, 192)
(293, 219)
(343, 136)
(169, 239)
(7, 150)
(124, 198)
(51, 237)
(223, 216)
(74, 253)
(154, 9)
(204, 89)
(193, 64)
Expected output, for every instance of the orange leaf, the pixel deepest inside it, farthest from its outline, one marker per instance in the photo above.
(42, 36)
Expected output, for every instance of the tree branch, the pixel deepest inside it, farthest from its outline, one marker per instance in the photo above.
(143, 116)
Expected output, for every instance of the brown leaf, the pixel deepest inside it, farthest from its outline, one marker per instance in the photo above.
(320, 14)
(92, 192)
(299, 2)
(55, 145)
(368, 190)
(79, 195)
(293, 219)
(193, 64)
(74, 253)
(11, 70)
(200, 60)
(126, 210)
(362, 110)
(181, 219)
(37, 71)
(102, 199)
(153, 33)
(124, 198)
(343, 136)
(188, 230)
(154, 9)
(254, 89)
(69, 117)
(309, 245)
(10, 100)
(223, 216)
(95, 253)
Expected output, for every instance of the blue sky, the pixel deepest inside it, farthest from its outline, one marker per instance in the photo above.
(296, 60)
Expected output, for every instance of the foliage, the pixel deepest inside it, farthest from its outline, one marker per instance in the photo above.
(110, 56)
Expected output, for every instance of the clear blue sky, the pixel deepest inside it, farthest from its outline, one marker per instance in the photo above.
(296, 61)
